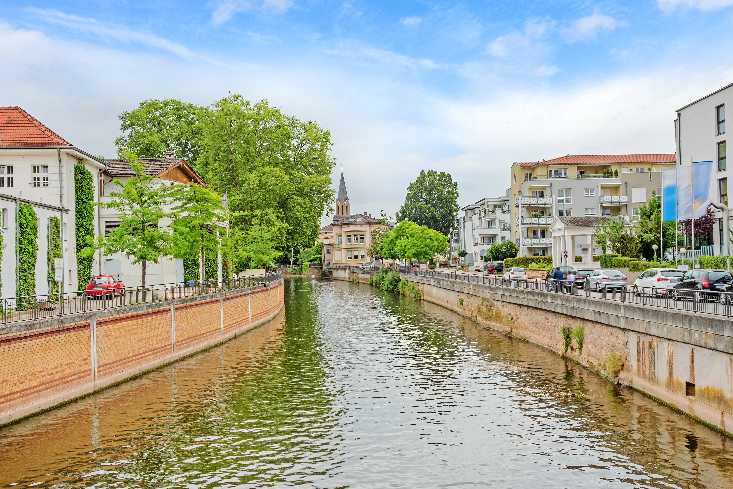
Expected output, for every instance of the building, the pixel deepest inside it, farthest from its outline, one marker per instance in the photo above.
(572, 241)
(347, 239)
(579, 186)
(38, 167)
(700, 135)
(479, 226)
(166, 171)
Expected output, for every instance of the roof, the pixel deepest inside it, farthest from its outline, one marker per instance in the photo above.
(583, 221)
(151, 166)
(20, 129)
(357, 219)
(342, 195)
(653, 158)
(706, 96)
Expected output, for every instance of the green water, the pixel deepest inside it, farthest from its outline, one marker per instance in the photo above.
(354, 388)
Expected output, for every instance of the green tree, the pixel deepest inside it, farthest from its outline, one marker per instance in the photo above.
(375, 248)
(310, 255)
(269, 163)
(157, 126)
(432, 201)
(254, 248)
(615, 235)
(197, 217)
(502, 250)
(648, 229)
(413, 242)
(141, 205)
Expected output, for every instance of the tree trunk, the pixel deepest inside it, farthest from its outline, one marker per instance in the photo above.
(144, 271)
(202, 265)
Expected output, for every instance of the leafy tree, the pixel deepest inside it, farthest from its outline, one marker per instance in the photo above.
(310, 255)
(502, 250)
(140, 204)
(704, 226)
(647, 229)
(254, 248)
(615, 235)
(196, 215)
(269, 163)
(432, 201)
(413, 242)
(375, 248)
(157, 126)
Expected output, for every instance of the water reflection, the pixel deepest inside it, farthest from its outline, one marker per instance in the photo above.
(360, 389)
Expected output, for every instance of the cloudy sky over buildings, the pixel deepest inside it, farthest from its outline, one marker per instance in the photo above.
(466, 87)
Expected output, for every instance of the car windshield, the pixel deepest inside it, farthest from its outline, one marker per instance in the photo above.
(613, 273)
(102, 280)
(720, 276)
(676, 274)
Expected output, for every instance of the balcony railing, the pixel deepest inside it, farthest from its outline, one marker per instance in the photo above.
(537, 242)
(535, 200)
(537, 221)
(614, 199)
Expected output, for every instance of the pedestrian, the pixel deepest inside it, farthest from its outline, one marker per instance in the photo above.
(571, 280)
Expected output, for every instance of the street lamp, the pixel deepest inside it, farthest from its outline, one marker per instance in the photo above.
(654, 247)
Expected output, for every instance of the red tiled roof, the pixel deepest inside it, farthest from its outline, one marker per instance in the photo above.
(151, 166)
(20, 129)
(663, 158)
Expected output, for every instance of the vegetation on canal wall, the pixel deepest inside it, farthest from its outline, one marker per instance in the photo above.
(390, 281)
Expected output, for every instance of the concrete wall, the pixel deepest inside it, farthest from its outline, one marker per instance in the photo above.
(665, 354)
(47, 363)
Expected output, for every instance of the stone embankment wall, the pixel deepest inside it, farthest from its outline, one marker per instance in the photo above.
(50, 362)
(682, 359)
(350, 274)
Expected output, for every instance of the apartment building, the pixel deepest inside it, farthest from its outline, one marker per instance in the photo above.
(700, 135)
(579, 186)
(480, 225)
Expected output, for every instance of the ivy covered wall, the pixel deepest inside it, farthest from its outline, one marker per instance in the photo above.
(27, 253)
(84, 219)
(54, 251)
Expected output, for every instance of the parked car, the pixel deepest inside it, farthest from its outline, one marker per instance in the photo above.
(607, 279)
(580, 276)
(104, 286)
(516, 273)
(498, 267)
(710, 283)
(658, 281)
(564, 269)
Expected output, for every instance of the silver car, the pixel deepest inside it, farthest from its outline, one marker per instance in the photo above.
(516, 273)
(607, 279)
(658, 281)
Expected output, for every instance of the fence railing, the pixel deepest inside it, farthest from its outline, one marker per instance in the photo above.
(17, 309)
(689, 300)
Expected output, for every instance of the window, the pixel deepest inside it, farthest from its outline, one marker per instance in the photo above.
(40, 175)
(636, 211)
(490, 223)
(538, 193)
(564, 212)
(720, 119)
(590, 192)
(723, 190)
(638, 195)
(565, 196)
(590, 211)
(558, 173)
(6, 176)
(348, 239)
(110, 226)
(527, 176)
(338, 239)
(722, 156)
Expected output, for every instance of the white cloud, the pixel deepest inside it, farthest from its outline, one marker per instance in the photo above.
(668, 5)
(411, 21)
(534, 30)
(225, 10)
(589, 26)
(109, 31)
(359, 51)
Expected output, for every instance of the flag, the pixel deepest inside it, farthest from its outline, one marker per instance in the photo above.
(684, 192)
(669, 195)
(702, 172)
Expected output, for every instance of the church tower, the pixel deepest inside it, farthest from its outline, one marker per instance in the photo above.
(343, 209)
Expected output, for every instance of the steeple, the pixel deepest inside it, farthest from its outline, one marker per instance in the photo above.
(343, 209)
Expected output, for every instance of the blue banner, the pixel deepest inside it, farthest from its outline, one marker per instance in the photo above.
(702, 172)
(669, 195)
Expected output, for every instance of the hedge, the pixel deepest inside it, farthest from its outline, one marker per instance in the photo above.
(84, 222)
(526, 261)
(27, 254)
(636, 265)
(53, 252)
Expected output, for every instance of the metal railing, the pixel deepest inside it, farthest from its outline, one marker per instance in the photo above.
(689, 300)
(18, 309)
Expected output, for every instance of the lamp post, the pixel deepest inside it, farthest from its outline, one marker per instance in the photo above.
(655, 247)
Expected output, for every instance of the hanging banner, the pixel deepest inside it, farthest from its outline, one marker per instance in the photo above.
(702, 179)
(669, 195)
(684, 192)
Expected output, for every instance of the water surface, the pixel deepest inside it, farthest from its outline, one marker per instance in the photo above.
(355, 388)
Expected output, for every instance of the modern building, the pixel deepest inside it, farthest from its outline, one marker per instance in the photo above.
(166, 171)
(479, 226)
(700, 135)
(347, 239)
(579, 186)
(38, 167)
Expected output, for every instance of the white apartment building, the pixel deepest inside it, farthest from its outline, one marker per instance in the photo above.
(37, 167)
(701, 135)
(479, 226)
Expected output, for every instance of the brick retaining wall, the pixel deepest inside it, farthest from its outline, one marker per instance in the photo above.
(46, 363)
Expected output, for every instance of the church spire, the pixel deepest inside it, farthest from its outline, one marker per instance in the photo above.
(343, 209)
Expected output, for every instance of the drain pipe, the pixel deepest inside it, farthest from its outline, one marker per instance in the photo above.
(64, 250)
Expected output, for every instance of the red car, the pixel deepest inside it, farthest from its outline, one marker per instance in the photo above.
(104, 286)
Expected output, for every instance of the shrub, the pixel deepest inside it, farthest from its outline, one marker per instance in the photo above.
(408, 289)
(386, 279)
(53, 251)
(567, 337)
(578, 259)
(578, 334)
(614, 364)
(607, 260)
(713, 261)
(27, 254)
(540, 266)
(596, 257)
(84, 222)
(526, 261)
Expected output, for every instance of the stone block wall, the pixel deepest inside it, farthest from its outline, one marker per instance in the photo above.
(50, 362)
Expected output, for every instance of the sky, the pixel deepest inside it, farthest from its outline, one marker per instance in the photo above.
(464, 87)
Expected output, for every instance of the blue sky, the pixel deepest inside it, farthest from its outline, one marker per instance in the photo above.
(466, 87)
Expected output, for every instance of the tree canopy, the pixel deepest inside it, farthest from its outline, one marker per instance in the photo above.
(432, 201)
(413, 242)
(502, 250)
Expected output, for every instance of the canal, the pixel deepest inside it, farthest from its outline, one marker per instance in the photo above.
(354, 388)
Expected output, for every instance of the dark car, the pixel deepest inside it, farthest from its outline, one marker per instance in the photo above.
(498, 266)
(712, 284)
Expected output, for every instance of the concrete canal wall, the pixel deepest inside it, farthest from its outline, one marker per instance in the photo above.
(50, 362)
(680, 358)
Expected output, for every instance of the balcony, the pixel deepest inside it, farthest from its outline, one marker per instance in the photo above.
(542, 201)
(537, 221)
(537, 242)
(614, 199)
